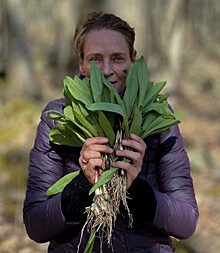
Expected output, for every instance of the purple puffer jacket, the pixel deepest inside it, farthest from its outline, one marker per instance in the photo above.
(165, 168)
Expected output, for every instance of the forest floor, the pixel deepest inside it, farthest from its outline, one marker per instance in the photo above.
(13, 239)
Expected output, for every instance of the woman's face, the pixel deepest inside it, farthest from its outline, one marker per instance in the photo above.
(110, 51)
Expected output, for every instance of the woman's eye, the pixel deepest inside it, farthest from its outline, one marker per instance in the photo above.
(94, 59)
(118, 59)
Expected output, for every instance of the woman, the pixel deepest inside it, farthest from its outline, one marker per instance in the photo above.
(159, 184)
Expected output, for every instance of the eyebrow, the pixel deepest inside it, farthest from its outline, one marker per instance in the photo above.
(99, 54)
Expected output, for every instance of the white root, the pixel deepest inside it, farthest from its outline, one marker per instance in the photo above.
(103, 212)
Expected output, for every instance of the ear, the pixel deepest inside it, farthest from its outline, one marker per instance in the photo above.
(134, 56)
(81, 69)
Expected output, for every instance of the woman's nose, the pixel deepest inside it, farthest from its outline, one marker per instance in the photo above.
(107, 68)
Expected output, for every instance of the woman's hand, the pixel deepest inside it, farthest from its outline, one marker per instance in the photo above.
(136, 156)
(90, 156)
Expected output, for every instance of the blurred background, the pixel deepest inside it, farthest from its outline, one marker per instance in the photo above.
(180, 40)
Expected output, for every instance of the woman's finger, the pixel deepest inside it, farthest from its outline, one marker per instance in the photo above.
(135, 143)
(92, 141)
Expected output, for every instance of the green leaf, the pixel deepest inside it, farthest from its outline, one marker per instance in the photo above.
(68, 96)
(78, 90)
(68, 111)
(75, 115)
(65, 135)
(153, 93)
(54, 115)
(91, 117)
(125, 127)
(104, 178)
(161, 98)
(85, 113)
(143, 75)
(107, 128)
(148, 119)
(143, 81)
(160, 122)
(90, 244)
(61, 183)
(111, 118)
(159, 125)
(120, 102)
(96, 82)
(161, 108)
(160, 130)
(84, 122)
(106, 95)
(86, 81)
(113, 93)
(131, 90)
(136, 123)
(104, 106)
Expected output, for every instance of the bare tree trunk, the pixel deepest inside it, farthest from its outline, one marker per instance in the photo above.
(66, 19)
(175, 34)
(175, 58)
(134, 12)
(68, 15)
(20, 72)
(4, 39)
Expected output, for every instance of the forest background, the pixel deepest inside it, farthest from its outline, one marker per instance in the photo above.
(180, 40)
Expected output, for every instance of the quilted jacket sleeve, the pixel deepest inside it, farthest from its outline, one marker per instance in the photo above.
(177, 211)
(43, 217)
